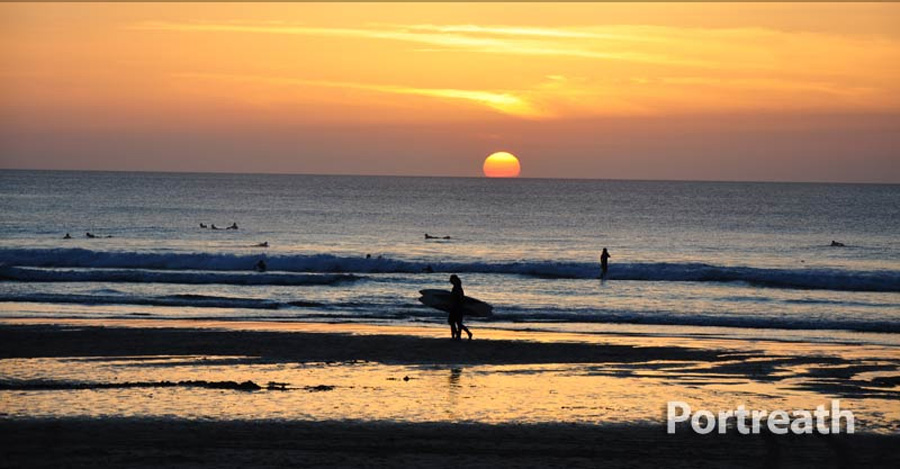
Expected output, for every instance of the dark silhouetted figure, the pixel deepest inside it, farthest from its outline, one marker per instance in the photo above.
(203, 225)
(428, 236)
(261, 266)
(264, 244)
(604, 263)
(429, 269)
(457, 297)
(837, 244)
(67, 236)
(233, 226)
(214, 227)
(368, 256)
(89, 235)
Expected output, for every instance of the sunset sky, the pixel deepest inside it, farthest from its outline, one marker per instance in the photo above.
(702, 91)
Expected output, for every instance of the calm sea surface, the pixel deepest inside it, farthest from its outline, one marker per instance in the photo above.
(746, 259)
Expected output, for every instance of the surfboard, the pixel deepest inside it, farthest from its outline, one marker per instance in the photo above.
(440, 299)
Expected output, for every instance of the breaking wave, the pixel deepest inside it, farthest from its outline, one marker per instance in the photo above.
(197, 268)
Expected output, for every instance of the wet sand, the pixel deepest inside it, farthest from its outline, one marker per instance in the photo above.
(25, 341)
(367, 366)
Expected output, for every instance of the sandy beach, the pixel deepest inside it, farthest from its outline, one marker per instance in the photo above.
(146, 394)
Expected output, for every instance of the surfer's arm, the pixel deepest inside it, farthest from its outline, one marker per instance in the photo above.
(456, 297)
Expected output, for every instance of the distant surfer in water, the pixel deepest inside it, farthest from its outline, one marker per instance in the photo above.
(457, 296)
(837, 244)
(604, 263)
(261, 266)
(67, 236)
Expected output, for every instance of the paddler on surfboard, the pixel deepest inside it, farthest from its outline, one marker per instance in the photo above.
(456, 309)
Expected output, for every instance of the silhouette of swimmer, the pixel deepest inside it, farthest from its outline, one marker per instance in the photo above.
(263, 245)
(368, 256)
(261, 266)
(214, 227)
(203, 225)
(89, 235)
(67, 236)
(837, 244)
(604, 263)
(233, 226)
(428, 236)
(455, 319)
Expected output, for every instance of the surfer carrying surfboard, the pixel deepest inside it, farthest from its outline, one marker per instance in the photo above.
(457, 297)
(456, 304)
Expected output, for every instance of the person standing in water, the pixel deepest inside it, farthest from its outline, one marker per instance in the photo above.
(457, 296)
(604, 263)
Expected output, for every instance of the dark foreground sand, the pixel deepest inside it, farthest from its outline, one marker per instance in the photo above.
(183, 444)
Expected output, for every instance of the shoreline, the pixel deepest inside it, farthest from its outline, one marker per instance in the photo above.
(719, 337)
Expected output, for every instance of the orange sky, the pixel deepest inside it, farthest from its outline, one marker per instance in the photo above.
(754, 91)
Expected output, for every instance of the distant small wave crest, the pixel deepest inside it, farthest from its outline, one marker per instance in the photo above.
(284, 269)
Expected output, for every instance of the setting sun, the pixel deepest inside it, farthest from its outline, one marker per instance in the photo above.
(501, 165)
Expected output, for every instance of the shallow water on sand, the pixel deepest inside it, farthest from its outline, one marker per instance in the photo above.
(368, 391)
(761, 375)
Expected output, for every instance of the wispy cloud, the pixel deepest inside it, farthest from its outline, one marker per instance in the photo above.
(736, 49)
(516, 31)
(504, 102)
(506, 40)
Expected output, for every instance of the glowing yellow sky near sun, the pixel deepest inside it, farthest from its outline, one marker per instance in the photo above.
(439, 62)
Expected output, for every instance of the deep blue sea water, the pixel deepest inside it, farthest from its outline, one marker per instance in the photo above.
(693, 257)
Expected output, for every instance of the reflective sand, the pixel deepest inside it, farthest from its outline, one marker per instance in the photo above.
(784, 376)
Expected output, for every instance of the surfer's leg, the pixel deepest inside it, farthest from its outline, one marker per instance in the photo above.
(454, 332)
(461, 327)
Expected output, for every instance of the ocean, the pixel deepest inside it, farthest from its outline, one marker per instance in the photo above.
(752, 260)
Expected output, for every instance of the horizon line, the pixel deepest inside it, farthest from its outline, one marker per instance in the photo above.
(263, 173)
